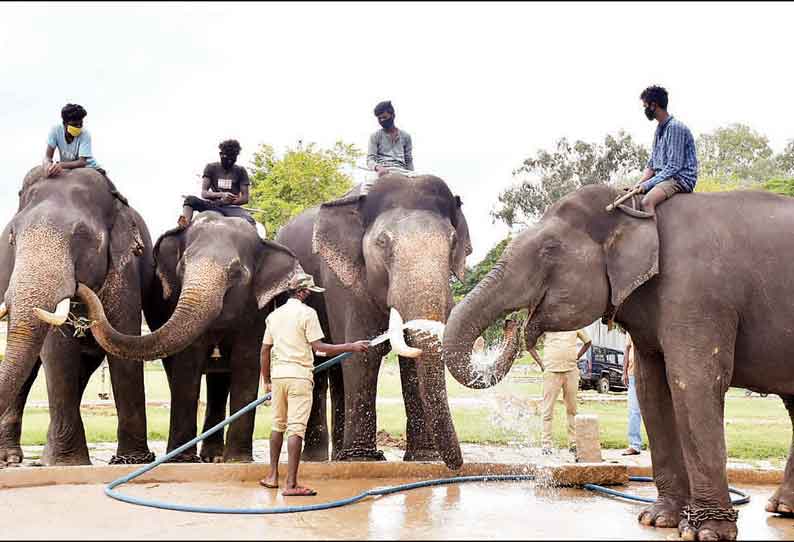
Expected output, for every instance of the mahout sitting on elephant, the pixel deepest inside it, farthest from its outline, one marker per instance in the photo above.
(705, 291)
(214, 283)
(69, 230)
(388, 252)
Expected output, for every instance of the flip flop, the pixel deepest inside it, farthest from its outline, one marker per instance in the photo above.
(263, 483)
(299, 491)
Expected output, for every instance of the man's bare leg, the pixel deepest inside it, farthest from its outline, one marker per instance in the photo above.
(653, 198)
(276, 440)
(294, 448)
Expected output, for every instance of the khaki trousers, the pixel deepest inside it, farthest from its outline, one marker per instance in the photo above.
(292, 404)
(568, 381)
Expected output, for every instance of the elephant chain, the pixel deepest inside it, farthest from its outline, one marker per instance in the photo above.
(132, 459)
(696, 517)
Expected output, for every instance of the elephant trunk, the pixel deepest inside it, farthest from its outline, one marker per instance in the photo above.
(470, 318)
(200, 302)
(43, 278)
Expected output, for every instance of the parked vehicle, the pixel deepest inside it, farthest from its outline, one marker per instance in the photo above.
(601, 369)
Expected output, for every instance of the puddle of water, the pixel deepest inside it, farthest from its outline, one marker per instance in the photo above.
(519, 510)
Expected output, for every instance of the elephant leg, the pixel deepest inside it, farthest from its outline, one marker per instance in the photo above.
(315, 444)
(218, 384)
(66, 443)
(184, 379)
(420, 445)
(699, 370)
(361, 383)
(244, 386)
(782, 502)
(667, 456)
(11, 423)
(127, 380)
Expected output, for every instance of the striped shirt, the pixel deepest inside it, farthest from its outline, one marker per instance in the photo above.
(384, 151)
(673, 156)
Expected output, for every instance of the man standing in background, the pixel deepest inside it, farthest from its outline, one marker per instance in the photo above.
(635, 417)
(561, 372)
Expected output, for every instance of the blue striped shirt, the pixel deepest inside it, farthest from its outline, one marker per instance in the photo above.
(673, 156)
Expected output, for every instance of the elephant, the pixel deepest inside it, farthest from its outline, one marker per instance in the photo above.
(383, 252)
(214, 281)
(71, 229)
(704, 290)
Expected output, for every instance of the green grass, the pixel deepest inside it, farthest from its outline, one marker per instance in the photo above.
(756, 428)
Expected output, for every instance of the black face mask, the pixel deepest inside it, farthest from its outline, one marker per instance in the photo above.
(228, 162)
(387, 124)
(650, 113)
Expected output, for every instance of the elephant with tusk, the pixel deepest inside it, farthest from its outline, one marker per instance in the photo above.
(67, 231)
(382, 256)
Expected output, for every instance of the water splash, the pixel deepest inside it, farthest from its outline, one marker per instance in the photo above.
(431, 327)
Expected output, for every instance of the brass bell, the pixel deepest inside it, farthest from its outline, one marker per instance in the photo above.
(216, 353)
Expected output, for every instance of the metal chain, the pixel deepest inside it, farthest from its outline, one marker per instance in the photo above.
(696, 517)
(132, 459)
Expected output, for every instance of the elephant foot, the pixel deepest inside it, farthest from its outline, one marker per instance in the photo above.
(11, 455)
(238, 457)
(782, 502)
(211, 452)
(708, 524)
(133, 458)
(185, 458)
(360, 454)
(422, 455)
(663, 513)
(314, 454)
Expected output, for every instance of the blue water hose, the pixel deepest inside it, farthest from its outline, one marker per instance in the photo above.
(110, 488)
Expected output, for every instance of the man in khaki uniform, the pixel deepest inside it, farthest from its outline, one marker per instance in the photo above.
(293, 332)
(560, 357)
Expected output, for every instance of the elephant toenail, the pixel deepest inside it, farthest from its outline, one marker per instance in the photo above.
(646, 519)
(664, 521)
(707, 534)
(783, 508)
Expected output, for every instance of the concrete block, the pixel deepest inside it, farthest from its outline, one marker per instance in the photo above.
(588, 443)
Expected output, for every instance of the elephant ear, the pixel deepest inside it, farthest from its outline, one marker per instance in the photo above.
(275, 268)
(632, 255)
(167, 252)
(463, 247)
(337, 238)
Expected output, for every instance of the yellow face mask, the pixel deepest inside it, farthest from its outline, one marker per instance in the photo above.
(74, 131)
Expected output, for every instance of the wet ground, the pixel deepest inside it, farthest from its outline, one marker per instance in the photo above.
(466, 511)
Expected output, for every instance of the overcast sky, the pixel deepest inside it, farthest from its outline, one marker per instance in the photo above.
(478, 86)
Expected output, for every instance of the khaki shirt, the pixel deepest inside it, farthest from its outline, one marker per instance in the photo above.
(291, 329)
(560, 349)
(629, 357)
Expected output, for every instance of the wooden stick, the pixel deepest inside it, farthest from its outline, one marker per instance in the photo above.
(621, 199)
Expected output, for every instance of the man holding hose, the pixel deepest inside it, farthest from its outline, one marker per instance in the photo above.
(293, 332)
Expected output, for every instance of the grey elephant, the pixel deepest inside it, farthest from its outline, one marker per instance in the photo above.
(71, 230)
(383, 255)
(214, 283)
(705, 290)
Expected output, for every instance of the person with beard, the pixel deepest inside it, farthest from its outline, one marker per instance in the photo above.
(224, 188)
(673, 165)
(389, 147)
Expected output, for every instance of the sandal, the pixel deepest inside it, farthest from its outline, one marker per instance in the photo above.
(269, 486)
(299, 491)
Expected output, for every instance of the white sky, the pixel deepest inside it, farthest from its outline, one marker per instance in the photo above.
(478, 86)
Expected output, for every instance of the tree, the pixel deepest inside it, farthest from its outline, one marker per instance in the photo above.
(303, 177)
(785, 160)
(736, 154)
(548, 176)
(475, 274)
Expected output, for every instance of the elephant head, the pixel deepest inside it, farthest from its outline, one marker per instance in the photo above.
(69, 229)
(577, 264)
(213, 272)
(397, 246)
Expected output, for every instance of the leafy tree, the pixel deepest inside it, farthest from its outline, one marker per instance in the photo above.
(548, 176)
(735, 154)
(475, 274)
(785, 160)
(305, 176)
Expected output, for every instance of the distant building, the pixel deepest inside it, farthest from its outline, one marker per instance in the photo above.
(603, 337)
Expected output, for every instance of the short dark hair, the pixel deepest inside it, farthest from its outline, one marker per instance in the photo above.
(72, 112)
(655, 94)
(230, 146)
(384, 107)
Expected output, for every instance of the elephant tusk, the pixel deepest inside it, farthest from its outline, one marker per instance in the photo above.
(57, 318)
(397, 338)
(3, 311)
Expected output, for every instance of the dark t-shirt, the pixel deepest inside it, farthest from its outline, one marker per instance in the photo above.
(226, 181)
